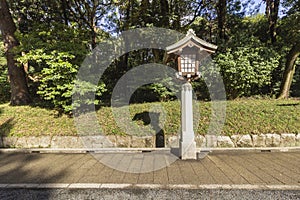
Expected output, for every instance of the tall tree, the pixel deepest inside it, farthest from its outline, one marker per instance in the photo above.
(289, 32)
(17, 77)
(221, 16)
(272, 7)
(88, 14)
(289, 71)
(145, 17)
(290, 29)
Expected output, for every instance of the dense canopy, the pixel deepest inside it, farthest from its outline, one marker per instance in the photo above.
(45, 42)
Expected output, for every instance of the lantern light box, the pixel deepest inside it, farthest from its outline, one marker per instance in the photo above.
(190, 51)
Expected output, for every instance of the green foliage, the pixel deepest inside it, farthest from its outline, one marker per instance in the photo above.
(153, 92)
(247, 70)
(256, 26)
(54, 56)
(289, 29)
(55, 37)
(57, 78)
(4, 84)
(162, 92)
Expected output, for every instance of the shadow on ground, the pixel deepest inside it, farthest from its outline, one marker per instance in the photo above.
(152, 118)
(288, 104)
(25, 171)
(6, 126)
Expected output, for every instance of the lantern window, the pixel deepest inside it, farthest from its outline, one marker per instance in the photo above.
(188, 63)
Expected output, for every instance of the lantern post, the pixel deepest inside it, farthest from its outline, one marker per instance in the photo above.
(188, 51)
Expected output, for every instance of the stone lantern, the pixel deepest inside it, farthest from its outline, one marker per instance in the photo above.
(190, 51)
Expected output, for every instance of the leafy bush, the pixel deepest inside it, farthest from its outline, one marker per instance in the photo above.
(247, 70)
(4, 84)
(152, 93)
(164, 93)
(57, 78)
(54, 56)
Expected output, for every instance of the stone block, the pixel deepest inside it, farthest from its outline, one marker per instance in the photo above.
(66, 142)
(149, 142)
(137, 142)
(96, 141)
(259, 140)
(172, 141)
(245, 141)
(123, 141)
(44, 141)
(211, 141)
(9, 141)
(34, 142)
(106, 141)
(269, 139)
(288, 140)
(21, 143)
(72, 142)
(276, 140)
(55, 142)
(224, 141)
(272, 140)
(112, 139)
(235, 139)
(200, 141)
(298, 140)
(89, 142)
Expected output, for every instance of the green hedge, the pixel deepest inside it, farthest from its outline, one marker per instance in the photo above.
(243, 116)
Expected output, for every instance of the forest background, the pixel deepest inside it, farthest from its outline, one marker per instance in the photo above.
(45, 42)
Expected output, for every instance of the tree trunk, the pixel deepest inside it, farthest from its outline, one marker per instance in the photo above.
(145, 13)
(17, 76)
(65, 12)
(272, 7)
(221, 16)
(93, 36)
(164, 14)
(176, 16)
(289, 71)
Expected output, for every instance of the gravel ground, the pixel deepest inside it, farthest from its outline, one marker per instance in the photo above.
(135, 194)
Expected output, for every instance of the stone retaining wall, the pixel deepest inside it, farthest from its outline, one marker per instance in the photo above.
(262, 140)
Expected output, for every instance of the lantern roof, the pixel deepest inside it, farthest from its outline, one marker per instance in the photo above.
(191, 40)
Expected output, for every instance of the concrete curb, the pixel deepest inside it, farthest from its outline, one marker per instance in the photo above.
(99, 141)
(146, 186)
(145, 150)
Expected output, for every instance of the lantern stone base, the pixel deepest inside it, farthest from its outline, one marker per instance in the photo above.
(188, 150)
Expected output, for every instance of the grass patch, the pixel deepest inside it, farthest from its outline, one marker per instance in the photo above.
(246, 116)
(262, 116)
(33, 121)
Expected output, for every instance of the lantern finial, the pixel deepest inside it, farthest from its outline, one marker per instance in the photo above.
(191, 32)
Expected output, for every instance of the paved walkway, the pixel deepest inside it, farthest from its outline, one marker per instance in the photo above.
(247, 169)
(224, 175)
